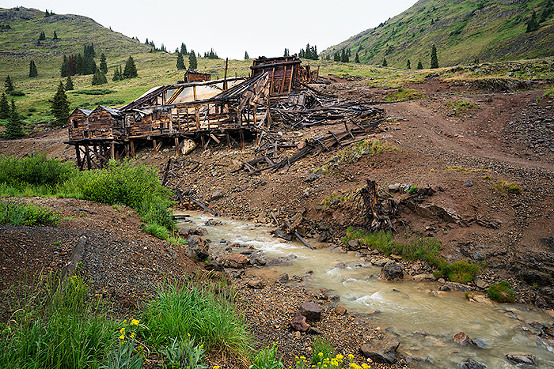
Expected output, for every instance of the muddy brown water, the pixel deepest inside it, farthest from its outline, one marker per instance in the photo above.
(406, 308)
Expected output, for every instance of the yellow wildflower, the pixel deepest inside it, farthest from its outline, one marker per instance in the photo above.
(320, 354)
(132, 335)
(365, 366)
(135, 322)
(122, 330)
(122, 337)
(216, 367)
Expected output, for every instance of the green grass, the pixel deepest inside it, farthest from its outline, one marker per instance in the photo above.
(501, 292)
(504, 188)
(404, 94)
(182, 309)
(127, 183)
(461, 108)
(20, 214)
(460, 271)
(321, 350)
(422, 248)
(57, 326)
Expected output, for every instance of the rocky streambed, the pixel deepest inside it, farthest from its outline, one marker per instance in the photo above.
(381, 309)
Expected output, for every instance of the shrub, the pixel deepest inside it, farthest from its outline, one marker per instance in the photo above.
(181, 309)
(460, 271)
(156, 231)
(29, 215)
(35, 170)
(412, 190)
(501, 292)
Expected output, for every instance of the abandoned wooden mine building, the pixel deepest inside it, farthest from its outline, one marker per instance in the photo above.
(285, 73)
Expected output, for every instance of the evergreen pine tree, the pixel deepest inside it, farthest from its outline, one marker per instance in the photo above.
(246, 57)
(183, 49)
(79, 64)
(71, 65)
(60, 106)
(63, 67)
(344, 56)
(357, 59)
(328, 57)
(286, 53)
(180, 61)
(193, 62)
(55, 36)
(8, 84)
(434, 58)
(385, 64)
(99, 78)
(408, 64)
(532, 23)
(4, 107)
(69, 84)
(103, 64)
(130, 70)
(14, 127)
(547, 11)
(419, 65)
(117, 74)
(42, 36)
(32, 69)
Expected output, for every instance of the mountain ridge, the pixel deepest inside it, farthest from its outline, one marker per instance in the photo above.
(463, 30)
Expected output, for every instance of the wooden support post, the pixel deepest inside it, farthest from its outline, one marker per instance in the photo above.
(194, 92)
(78, 155)
(228, 141)
(291, 76)
(87, 154)
(132, 148)
(197, 117)
(155, 147)
(203, 141)
(254, 109)
(282, 87)
(112, 150)
(225, 76)
(176, 146)
(271, 82)
(241, 133)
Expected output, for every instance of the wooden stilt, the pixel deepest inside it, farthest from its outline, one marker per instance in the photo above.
(228, 141)
(241, 133)
(87, 154)
(203, 141)
(176, 146)
(132, 148)
(78, 155)
(155, 147)
(112, 150)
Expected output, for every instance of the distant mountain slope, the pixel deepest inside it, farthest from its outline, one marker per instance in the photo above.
(73, 31)
(462, 30)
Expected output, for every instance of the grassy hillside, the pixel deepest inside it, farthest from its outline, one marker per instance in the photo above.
(18, 46)
(462, 30)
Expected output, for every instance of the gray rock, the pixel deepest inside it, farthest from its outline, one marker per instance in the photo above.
(216, 195)
(213, 223)
(472, 364)
(468, 183)
(394, 187)
(521, 359)
(197, 248)
(257, 258)
(354, 245)
(310, 310)
(381, 262)
(480, 283)
(392, 272)
(283, 278)
(461, 338)
(312, 177)
(235, 261)
(282, 234)
(381, 351)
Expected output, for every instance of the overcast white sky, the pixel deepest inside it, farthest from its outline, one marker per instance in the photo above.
(233, 26)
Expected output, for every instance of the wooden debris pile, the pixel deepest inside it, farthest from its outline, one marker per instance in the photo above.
(271, 161)
(308, 108)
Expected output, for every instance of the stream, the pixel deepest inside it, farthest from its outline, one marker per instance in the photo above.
(407, 308)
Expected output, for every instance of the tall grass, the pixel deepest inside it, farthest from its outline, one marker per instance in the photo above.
(57, 326)
(181, 309)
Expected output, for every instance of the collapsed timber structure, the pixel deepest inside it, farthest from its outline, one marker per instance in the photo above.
(202, 110)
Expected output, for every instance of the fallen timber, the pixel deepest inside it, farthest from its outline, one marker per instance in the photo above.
(315, 145)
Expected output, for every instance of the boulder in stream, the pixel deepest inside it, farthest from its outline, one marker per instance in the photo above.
(472, 364)
(235, 261)
(521, 359)
(197, 248)
(461, 338)
(392, 272)
(381, 351)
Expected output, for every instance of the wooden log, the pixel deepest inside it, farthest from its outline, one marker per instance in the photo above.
(132, 148)
(176, 146)
(166, 172)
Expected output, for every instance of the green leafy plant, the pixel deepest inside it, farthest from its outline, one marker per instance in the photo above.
(321, 350)
(412, 190)
(267, 359)
(404, 94)
(184, 354)
(504, 187)
(501, 292)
